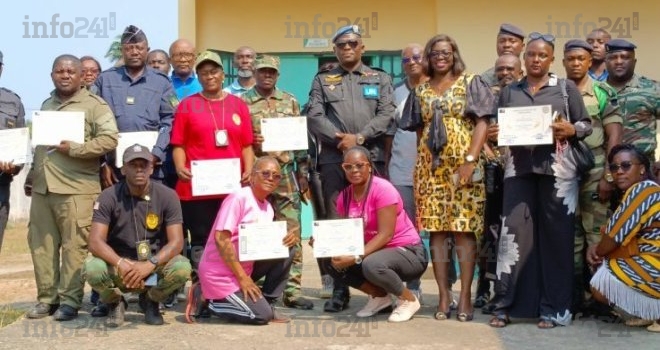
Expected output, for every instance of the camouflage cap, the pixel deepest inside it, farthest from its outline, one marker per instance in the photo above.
(208, 55)
(267, 61)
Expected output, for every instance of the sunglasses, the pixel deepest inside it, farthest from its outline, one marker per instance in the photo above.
(267, 174)
(352, 43)
(357, 166)
(625, 166)
(436, 55)
(414, 58)
(549, 38)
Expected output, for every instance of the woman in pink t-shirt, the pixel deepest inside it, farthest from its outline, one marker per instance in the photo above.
(226, 284)
(393, 251)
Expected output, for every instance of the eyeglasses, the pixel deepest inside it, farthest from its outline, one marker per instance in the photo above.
(267, 174)
(90, 71)
(352, 43)
(436, 55)
(183, 56)
(357, 166)
(414, 58)
(549, 38)
(625, 166)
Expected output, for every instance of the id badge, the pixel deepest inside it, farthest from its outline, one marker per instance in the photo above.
(221, 138)
(370, 92)
(143, 250)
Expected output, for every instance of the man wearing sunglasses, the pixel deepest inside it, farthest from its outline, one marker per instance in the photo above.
(349, 105)
(595, 189)
(509, 41)
(638, 97)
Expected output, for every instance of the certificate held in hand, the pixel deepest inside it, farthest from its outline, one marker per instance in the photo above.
(284, 134)
(338, 237)
(525, 126)
(15, 146)
(262, 241)
(49, 128)
(215, 176)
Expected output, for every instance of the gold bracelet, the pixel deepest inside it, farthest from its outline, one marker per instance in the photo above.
(119, 263)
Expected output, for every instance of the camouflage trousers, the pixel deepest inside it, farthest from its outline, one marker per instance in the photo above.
(105, 280)
(591, 215)
(286, 203)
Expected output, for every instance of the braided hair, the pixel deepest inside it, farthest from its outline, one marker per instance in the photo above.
(348, 191)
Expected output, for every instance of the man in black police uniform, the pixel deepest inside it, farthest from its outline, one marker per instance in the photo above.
(132, 219)
(351, 104)
(12, 115)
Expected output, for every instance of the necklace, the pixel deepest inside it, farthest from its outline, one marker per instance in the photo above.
(142, 246)
(220, 135)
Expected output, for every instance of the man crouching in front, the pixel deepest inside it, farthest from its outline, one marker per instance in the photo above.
(132, 219)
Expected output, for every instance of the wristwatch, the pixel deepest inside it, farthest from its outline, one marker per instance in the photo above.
(358, 260)
(470, 158)
(609, 178)
(359, 139)
(154, 260)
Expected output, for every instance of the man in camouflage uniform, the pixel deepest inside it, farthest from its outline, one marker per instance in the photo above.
(638, 96)
(266, 101)
(595, 190)
(12, 115)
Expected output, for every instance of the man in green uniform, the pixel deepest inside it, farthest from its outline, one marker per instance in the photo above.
(595, 190)
(638, 96)
(65, 186)
(266, 101)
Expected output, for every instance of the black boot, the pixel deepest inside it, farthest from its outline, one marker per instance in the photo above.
(339, 300)
(152, 314)
(116, 313)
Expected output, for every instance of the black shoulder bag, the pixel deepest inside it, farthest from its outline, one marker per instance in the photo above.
(584, 158)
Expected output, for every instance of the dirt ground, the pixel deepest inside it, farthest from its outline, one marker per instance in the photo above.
(313, 329)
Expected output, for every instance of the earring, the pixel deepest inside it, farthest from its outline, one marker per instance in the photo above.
(641, 173)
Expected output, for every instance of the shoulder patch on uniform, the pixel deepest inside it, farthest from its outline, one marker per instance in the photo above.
(174, 101)
(96, 205)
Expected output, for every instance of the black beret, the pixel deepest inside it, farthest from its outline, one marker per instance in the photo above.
(133, 35)
(619, 45)
(510, 29)
(577, 44)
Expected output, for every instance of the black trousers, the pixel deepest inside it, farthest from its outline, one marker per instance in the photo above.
(535, 251)
(198, 218)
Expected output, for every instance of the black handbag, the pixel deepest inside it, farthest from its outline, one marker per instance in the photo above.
(584, 158)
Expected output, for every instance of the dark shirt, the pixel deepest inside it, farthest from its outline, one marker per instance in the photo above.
(12, 115)
(114, 207)
(539, 159)
(144, 104)
(358, 102)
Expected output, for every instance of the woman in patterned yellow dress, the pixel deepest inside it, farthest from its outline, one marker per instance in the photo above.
(452, 106)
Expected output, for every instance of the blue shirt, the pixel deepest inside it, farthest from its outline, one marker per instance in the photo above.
(144, 104)
(236, 89)
(186, 88)
(602, 77)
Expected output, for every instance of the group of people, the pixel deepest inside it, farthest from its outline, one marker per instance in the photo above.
(557, 237)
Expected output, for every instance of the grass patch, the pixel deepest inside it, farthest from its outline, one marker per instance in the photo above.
(9, 315)
(15, 241)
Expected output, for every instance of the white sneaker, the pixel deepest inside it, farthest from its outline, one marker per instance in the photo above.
(374, 305)
(404, 311)
(418, 294)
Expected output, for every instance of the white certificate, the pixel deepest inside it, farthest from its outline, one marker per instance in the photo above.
(338, 237)
(15, 146)
(49, 128)
(127, 139)
(262, 241)
(525, 126)
(284, 134)
(215, 176)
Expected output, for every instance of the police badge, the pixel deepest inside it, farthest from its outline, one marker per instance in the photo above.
(152, 221)
(143, 250)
